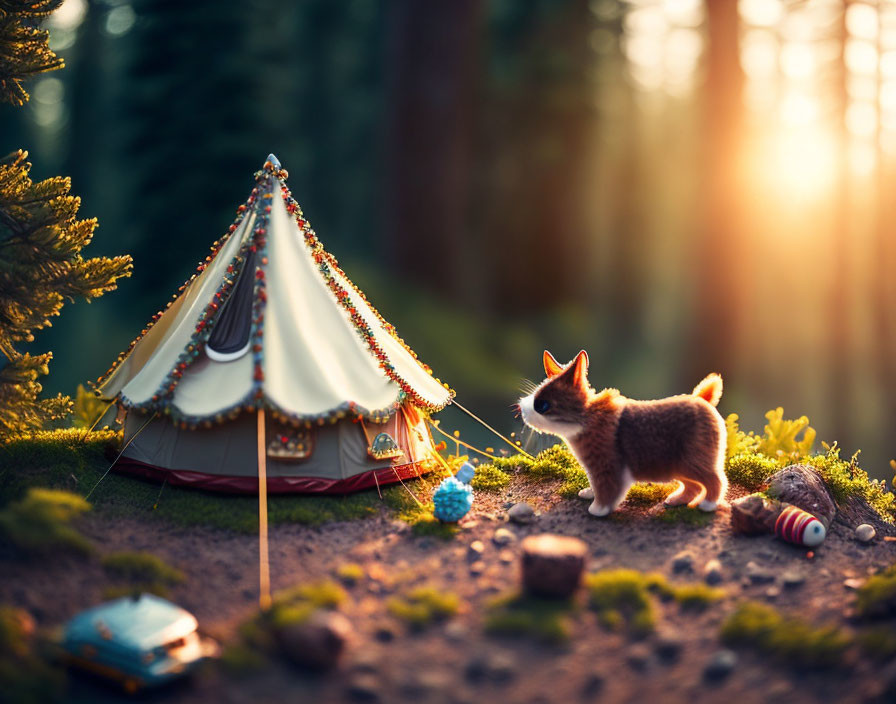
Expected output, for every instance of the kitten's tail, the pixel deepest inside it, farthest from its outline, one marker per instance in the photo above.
(710, 389)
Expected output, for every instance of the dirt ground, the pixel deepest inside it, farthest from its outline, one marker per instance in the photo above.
(456, 661)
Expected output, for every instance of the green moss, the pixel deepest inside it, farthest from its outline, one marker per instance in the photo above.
(323, 594)
(622, 599)
(877, 597)
(424, 606)
(752, 459)
(239, 659)
(142, 567)
(878, 643)
(683, 515)
(647, 493)
(350, 573)
(490, 478)
(696, 596)
(547, 620)
(790, 640)
(41, 522)
(751, 470)
(25, 675)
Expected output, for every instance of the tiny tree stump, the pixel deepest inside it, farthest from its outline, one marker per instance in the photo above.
(553, 565)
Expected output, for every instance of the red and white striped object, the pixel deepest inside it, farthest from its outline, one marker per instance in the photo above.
(800, 527)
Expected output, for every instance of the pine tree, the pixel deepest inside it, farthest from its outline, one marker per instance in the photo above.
(40, 238)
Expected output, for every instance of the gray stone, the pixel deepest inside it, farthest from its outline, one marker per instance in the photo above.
(503, 536)
(758, 574)
(683, 562)
(475, 549)
(668, 647)
(592, 686)
(521, 513)
(712, 572)
(791, 579)
(553, 565)
(364, 687)
(865, 532)
(317, 642)
(638, 657)
(492, 666)
(720, 666)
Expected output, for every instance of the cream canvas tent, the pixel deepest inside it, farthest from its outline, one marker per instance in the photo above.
(269, 322)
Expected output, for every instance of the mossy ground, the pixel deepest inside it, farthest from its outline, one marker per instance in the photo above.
(424, 606)
(514, 614)
(877, 597)
(40, 522)
(790, 640)
(26, 673)
(137, 572)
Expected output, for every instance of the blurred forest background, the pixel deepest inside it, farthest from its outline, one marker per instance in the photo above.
(677, 186)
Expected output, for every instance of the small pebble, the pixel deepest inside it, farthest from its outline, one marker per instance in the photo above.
(521, 513)
(503, 536)
(668, 648)
(853, 583)
(791, 579)
(720, 666)
(712, 572)
(592, 686)
(476, 548)
(758, 574)
(683, 562)
(506, 556)
(477, 568)
(865, 532)
(638, 657)
(772, 593)
(364, 687)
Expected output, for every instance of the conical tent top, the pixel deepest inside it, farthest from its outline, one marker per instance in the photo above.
(275, 161)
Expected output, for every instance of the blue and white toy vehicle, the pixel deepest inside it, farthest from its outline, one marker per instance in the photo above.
(140, 641)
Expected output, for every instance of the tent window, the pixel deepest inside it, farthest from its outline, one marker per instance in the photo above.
(230, 335)
(288, 443)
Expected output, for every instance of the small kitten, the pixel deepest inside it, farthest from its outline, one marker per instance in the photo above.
(620, 441)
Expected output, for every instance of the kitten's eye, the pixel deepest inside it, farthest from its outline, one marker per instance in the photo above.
(541, 406)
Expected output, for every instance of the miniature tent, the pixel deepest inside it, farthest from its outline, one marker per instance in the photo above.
(269, 321)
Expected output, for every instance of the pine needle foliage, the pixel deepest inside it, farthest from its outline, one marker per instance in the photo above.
(24, 49)
(41, 268)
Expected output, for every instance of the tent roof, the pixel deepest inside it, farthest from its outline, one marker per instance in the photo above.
(316, 348)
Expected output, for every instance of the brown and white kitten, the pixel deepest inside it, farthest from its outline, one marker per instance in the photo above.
(620, 441)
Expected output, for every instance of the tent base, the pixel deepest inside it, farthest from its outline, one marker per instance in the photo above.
(276, 485)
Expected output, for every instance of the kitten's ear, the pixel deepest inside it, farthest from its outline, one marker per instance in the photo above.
(580, 374)
(551, 366)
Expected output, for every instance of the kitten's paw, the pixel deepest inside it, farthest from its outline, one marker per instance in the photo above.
(587, 494)
(595, 509)
(708, 506)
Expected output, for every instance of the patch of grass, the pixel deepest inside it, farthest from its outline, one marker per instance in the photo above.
(790, 640)
(751, 470)
(877, 597)
(25, 676)
(419, 515)
(41, 522)
(752, 459)
(240, 659)
(424, 606)
(696, 596)
(74, 460)
(622, 599)
(141, 567)
(325, 594)
(648, 493)
(350, 573)
(547, 620)
(878, 643)
(490, 478)
(683, 515)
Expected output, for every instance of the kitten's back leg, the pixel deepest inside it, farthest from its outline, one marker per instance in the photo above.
(687, 491)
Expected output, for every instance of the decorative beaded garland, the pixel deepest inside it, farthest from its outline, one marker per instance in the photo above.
(259, 205)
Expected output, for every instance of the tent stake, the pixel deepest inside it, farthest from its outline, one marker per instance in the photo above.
(264, 569)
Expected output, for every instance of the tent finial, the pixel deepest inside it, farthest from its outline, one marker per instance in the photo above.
(275, 161)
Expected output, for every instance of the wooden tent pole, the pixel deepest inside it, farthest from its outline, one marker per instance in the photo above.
(264, 569)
